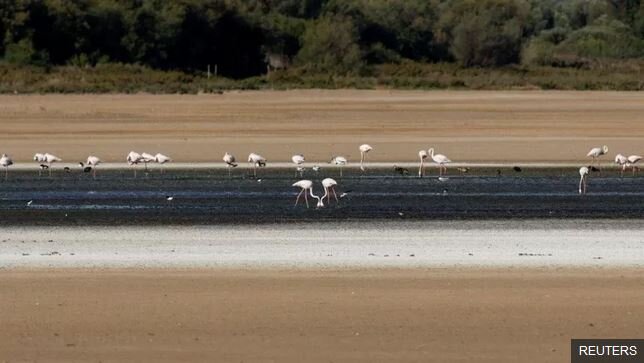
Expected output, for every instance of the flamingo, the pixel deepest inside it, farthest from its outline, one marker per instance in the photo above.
(298, 160)
(364, 149)
(329, 184)
(257, 161)
(6, 161)
(147, 158)
(422, 154)
(439, 159)
(583, 181)
(596, 152)
(339, 160)
(621, 160)
(632, 160)
(306, 185)
(229, 159)
(162, 159)
(39, 158)
(134, 158)
(51, 158)
(93, 161)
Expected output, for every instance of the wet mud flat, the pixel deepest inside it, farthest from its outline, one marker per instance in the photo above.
(203, 197)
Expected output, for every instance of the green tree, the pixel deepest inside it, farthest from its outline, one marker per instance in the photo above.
(330, 45)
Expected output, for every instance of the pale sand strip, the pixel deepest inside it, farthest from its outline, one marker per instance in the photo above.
(322, 164)
(421, 244)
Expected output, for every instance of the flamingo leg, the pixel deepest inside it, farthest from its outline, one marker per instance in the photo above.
(306, 198)
(340, 171)
(6, 172)
(298, 197)
(49, 169)
(94, 172)
(335, 195)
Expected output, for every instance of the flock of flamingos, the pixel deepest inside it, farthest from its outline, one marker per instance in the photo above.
(255, 161)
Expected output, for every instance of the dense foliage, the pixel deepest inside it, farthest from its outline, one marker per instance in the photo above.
(318, 37)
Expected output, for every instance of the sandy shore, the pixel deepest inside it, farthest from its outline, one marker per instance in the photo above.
(468, 126)
(443, 315)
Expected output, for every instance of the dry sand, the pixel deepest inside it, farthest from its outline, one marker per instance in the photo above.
(470, 126)
(438, 315)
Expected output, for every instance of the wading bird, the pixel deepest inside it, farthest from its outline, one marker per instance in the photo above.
(596, 152)
(50, 159)
(133, 159)
(364, 149)
(306, 185)
(422, 154)
(39, 158)
(298, 160)
(621, 160)
(257, 161)
(400, 170)
(632, 160)
(147, 158)
(161, 160)
(340, 161)
(439, 159)
(93, 161)
(329, 184)
(6, 162)
(583, 180)
(229, 159)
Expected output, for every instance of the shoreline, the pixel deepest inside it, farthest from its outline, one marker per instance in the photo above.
(24, 166)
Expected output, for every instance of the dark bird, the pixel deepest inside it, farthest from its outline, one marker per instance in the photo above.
(517, 169)
(498, 172)
(44, 167)
(87, 169)
(67, 169)
(594, 169)
(401, 170)
(463, 170)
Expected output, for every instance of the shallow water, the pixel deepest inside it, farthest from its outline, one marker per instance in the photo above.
(211, 197)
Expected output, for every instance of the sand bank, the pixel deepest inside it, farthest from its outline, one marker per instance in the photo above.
(468, 126)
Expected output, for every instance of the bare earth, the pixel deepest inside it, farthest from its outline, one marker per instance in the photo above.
(468, 126)
(441, 315)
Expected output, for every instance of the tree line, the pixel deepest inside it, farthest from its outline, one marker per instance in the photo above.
(343, 37)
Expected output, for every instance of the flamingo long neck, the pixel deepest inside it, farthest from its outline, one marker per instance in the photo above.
(315, 196)
(431, 152)
(326, 193)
